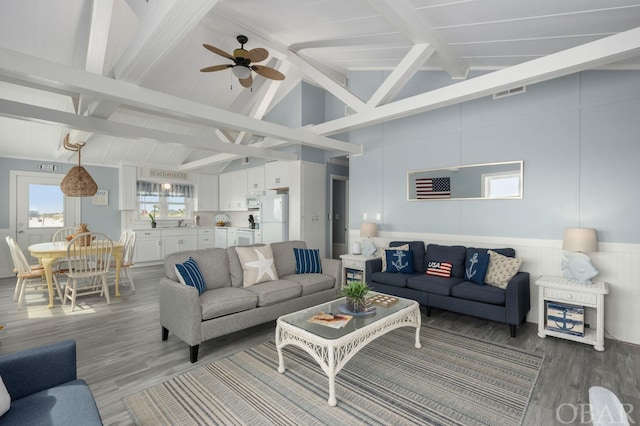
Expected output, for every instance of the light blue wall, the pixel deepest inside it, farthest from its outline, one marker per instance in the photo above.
(98, 218)
(577, 135)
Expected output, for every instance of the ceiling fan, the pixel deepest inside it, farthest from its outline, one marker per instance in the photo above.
(242, 63)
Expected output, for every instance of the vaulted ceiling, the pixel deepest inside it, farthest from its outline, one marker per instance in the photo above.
(123, 75)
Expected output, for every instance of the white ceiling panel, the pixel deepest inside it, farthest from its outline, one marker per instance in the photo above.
(330, 38)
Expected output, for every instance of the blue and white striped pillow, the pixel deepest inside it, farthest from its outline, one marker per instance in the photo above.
(307, 261)
(189, 274)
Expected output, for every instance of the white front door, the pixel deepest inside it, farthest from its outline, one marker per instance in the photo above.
(40, 207)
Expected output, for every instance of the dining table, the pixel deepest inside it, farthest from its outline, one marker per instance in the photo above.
(48, 253)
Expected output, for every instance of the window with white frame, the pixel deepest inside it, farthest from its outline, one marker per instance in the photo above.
(164, 200)
(501, 185)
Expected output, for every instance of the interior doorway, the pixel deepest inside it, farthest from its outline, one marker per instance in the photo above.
(339, 216)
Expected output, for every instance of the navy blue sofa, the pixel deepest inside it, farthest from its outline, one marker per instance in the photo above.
(455, 294)
(44, 388)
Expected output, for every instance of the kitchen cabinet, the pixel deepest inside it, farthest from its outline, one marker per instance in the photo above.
(232, 237)
(220, 237)
(127, 192)
(307, 204)
(206, 193)
(233, 191)
(174, 240)
(277, 174)
(205, 238)
(255, 180)
(148, 247)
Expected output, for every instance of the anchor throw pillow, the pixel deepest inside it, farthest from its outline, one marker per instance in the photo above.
(476, 267)
(399, 261)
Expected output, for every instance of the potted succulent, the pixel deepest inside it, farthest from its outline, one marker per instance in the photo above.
(355, 292)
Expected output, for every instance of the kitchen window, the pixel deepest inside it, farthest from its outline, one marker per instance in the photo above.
(164, 200)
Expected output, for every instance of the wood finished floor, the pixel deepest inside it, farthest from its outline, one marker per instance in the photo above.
(120, 350)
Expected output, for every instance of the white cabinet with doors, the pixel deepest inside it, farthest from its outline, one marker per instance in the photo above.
(148, 246)
(220, 237)
(233, 191)
(174, 240)
(277, 174)
(255, 180)
(206, 193)
(127, 180)
(307, 204)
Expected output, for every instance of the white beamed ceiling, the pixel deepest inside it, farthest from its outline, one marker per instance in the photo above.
(157, 45)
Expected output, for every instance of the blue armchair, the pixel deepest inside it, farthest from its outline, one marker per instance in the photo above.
(44, 388)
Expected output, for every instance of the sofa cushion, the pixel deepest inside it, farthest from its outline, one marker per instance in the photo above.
(71, 403)
(272, 292)
(189, 273)
(433, 284)
(311, 283)
(257, 265)
(224, 301)
(307, 261)
(284, 258)
(509, 252)
(417, 248)
(476, 266)
(456, 255)
(501, 269)
(389, 278)
(485, 294)
(213, 263)
(399, 261)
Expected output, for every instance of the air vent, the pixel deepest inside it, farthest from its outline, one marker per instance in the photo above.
(510, 92)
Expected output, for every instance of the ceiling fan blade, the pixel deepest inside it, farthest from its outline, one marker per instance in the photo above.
(268, 72)
(258, 54)
(246, 82)
(216, 68)
(217, 51)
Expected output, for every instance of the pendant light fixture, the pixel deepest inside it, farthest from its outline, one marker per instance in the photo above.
(78, 182)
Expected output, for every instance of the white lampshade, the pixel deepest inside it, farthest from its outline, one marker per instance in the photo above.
(580, 240)
(368, 230)
(241, 71)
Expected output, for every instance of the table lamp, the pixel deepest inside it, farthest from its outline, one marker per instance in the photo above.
(576, 265)
(368, 230)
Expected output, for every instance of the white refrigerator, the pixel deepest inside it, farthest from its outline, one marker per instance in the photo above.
(274, 223)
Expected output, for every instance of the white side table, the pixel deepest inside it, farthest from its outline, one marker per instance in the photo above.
(591, 296)
(353, 268)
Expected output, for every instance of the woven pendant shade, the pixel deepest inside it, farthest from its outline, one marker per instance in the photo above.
(77, 182)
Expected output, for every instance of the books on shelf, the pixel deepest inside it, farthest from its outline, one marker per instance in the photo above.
(383, 300)
(331, 320)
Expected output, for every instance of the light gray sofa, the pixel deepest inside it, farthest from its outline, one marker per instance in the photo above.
(226, 306)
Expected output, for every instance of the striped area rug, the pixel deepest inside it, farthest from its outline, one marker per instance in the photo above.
(452, 380)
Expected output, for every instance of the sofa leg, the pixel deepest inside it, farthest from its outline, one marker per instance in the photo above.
(428, 310)
(512, 327)
(165, 334)
(193, 353)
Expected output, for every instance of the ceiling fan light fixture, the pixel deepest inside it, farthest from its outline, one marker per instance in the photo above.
(241, 71)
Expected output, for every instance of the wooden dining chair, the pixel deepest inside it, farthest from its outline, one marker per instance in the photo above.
(89, 256)
(127, 260)
(28, 277)
(62, 234)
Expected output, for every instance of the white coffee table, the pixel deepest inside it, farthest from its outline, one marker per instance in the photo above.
(333, 348)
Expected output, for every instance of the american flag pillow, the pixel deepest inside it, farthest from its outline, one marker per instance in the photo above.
(439, 269)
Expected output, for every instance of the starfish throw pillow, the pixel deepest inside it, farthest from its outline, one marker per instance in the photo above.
(257, 265)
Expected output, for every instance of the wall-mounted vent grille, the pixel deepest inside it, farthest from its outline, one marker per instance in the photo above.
(510, 92)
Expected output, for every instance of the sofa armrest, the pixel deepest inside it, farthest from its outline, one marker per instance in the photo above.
(180, 310)
(371, 266)
(33, 370)
(518, 300)
(332, 267)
